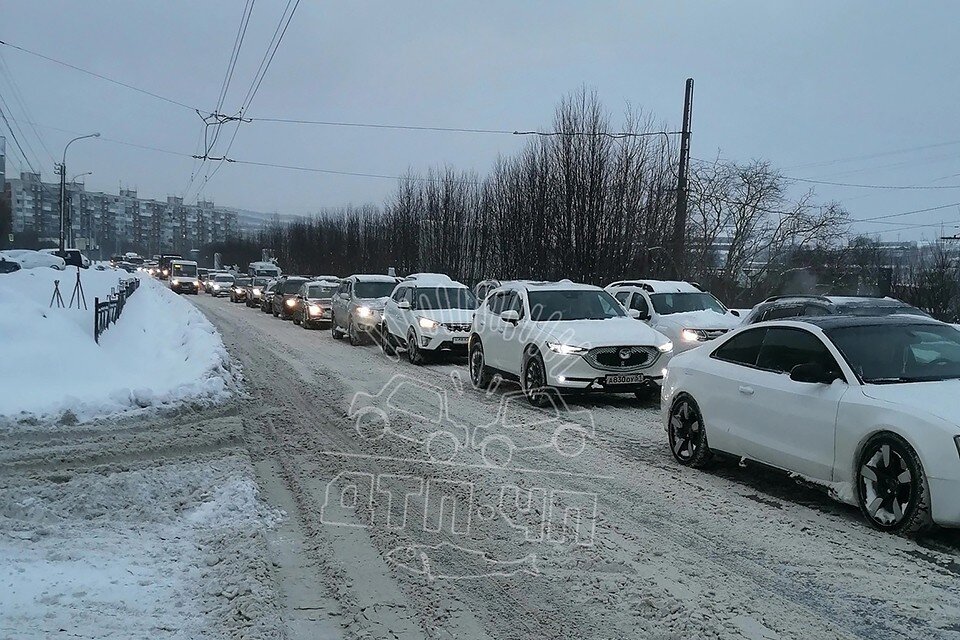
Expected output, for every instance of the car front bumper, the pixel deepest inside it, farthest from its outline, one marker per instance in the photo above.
(945, 501)
(574, 373)
(370, 323)
(190, 287)
(443, 339)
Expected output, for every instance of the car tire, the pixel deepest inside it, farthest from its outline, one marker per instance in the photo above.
(480, 374)
(414, 353)
(275, 311)
(892, 489)
(533, 380)
(687, 434)
(387, 343)
(353, 334)
(334, 329)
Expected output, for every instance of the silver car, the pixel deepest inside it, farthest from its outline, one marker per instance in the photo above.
(358, 306)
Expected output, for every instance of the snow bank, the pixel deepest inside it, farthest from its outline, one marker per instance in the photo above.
(162, 350)
(119, 554)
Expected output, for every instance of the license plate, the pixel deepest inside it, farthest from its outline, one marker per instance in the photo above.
(460, 339)
(624, 378)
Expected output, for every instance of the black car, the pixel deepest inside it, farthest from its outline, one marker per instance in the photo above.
(284, 302)
(8, 266)
(240, 289)
(266, 301)
(794, 306)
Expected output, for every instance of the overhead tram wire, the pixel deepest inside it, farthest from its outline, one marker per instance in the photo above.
(100, 76)
(231, 67)
(18, 98)
(258, 77)
(874, 186)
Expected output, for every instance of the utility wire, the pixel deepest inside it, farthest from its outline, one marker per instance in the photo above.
(346, 173)
(872, 186)
(511, 132)
(97, 75)
(18, 97)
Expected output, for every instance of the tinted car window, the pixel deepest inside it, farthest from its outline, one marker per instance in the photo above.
(445, 298)
(496, 301)
(784, 348)
(787, 311)
(743, 348)
(889, 354)
(573, 304)
(291, 286)
(367, 289)
(815, 310)
(639, 303)
(622, 296)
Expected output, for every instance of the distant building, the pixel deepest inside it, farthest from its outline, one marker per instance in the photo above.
(105, 224)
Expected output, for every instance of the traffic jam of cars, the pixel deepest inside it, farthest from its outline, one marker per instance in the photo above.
(853, 393)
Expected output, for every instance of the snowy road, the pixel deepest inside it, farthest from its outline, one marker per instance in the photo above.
(671, 552)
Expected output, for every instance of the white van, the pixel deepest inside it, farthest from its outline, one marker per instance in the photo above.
(263, 270)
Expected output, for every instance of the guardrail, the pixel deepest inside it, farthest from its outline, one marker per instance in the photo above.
(107, 312)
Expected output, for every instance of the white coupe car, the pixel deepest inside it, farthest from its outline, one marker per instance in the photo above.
(867, 406)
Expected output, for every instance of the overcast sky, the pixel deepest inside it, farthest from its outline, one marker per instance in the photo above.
(796, 83)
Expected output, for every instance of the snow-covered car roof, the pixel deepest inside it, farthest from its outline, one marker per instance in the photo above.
(372, 277)
(544, 285)
(432, 280)
(323, 282)
(658, 286)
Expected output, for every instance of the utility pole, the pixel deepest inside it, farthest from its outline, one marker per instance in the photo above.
(62, 169)
(678, 248)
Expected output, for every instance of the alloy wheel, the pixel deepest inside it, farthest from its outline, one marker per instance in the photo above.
(688, 438)
(887, 484)
(534, 382)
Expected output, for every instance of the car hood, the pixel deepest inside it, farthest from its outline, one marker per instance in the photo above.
(700, 320)
(456, 316)
(605, 333)
(938, 398)
(373, 303)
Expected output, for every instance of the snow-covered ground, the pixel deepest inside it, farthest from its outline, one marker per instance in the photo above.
(161, 351)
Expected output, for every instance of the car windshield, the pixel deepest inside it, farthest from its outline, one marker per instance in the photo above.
(243, 282)
(444, 298)
(888, 354)
(667, 303)
(322, 291)
(184, 270)
(575, 304)
(374, 289)
(223, 277)
(259, 282)
(291, 286)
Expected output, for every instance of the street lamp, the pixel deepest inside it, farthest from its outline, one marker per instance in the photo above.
(73, 180)
(63, 185)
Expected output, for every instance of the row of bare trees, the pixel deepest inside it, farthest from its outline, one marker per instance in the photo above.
(593, 206)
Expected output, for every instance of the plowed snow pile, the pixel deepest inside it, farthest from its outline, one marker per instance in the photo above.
(162, 350)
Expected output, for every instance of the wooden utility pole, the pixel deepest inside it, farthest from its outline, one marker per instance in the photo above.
(678, 245)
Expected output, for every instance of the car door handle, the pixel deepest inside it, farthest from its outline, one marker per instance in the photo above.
(745, 390)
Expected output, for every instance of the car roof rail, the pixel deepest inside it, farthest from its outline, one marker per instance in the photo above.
(807, 296)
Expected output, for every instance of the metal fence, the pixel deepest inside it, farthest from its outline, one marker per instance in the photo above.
(108, 311)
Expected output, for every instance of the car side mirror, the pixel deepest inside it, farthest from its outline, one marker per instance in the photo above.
(403, 304)
(734, 313)
(510, 315)
(812, 373)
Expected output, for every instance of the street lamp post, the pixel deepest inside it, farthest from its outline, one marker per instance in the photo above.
(63, 186)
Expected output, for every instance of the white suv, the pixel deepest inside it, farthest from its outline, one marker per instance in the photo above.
(681, 311)
(564, 336)
(428, 313)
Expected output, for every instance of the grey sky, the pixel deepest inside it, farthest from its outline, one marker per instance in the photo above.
(792, 82)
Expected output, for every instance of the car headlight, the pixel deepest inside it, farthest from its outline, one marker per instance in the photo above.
(364, 311)
(666, 347)
(291, 302)
(165, 272)
(692, 335)
(215, 286)
(175, 281)
(428, 323)
(566, 349)
(256, 292)
(315, 309)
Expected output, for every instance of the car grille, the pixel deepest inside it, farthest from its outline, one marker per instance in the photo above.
(611, 358)
(456, 326)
